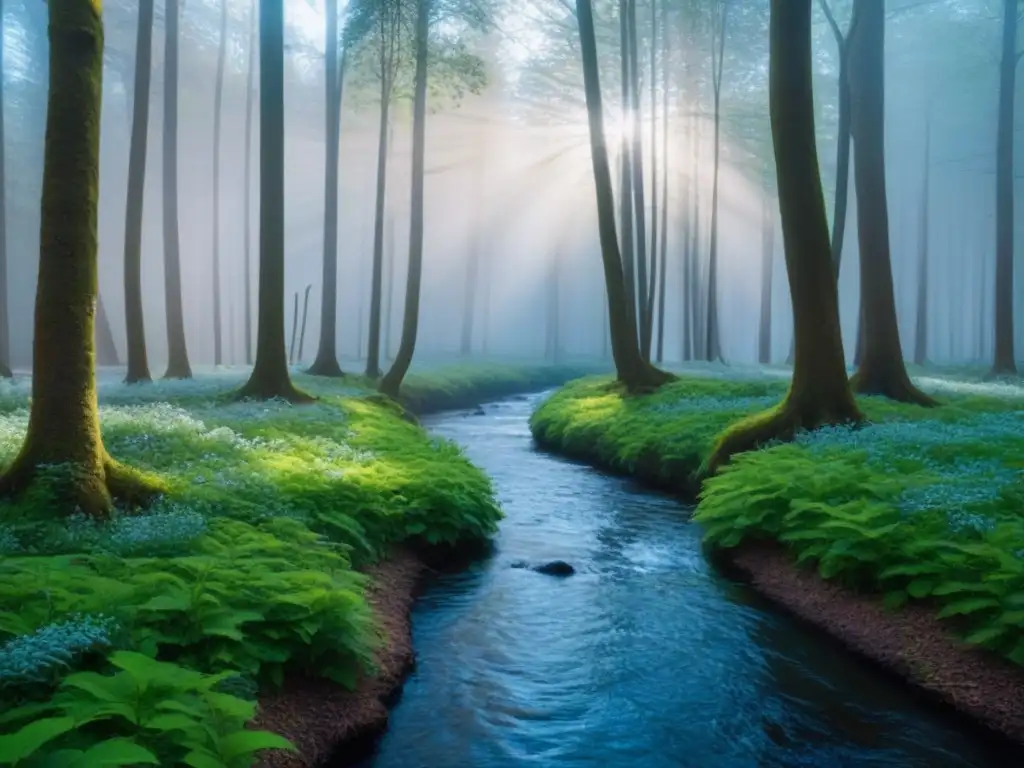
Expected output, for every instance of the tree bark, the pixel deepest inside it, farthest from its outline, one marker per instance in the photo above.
(138, 362)
(881, 370)
(270, 378)
(631, 368)
(63, 423)
(1004, 357)
(247, 175)
(218, 101)
(5, 332)
(921, 330)
(764, 336)
(305, 314)
(819, 393)
(391, 383)
(326, 361)
(177, 350)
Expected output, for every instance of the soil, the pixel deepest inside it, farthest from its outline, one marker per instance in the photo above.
(910, 642)
(324, 720)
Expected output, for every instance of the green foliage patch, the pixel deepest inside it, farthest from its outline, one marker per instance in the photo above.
(920, 504)
(144, 638)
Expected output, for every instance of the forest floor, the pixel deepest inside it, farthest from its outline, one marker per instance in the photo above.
(252, 562)
(915, 518)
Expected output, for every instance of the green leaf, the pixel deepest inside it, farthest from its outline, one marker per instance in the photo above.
(117, 752)
(967, 606)
(246, 742)
(920, 588)
(17, 746)
(202, 758)
(985, 635)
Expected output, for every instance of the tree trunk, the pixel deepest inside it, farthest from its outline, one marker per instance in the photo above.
(1004, 358)
(389, 293)
(138, 362)
(326, 361)
(625, 166)
(106, 349)
(696, 316)
(921, 331)
(305, 314)
(663, 240)
(712, 343)
(391, 383)
(247, 175)
(630, 366)
(218, 101)
(764, 336)
(376, 278)
(819, 393)
(473, 262)
(881, 370)
(270, 377)
(63, 423)
(5, 332)
(295, 329)
(177, 351)
(639, 204)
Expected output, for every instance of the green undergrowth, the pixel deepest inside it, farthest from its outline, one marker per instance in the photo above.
(144, 639)
(919, 504)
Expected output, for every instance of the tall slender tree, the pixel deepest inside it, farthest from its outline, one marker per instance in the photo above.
(326, 361)
(63, 427)
(921, 326)
(270, 377)
(247, 180)
(218, 102)
(881, 370)
(138, 362)
(5, 332)
(764, 333)
(819, 392)
(719, 27)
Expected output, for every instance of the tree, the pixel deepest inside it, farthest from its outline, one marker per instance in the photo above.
(819, 393)
(326, 362)
(218, 100)
(631, 368)
(135, 322)
(663, 238)
(270, 378)
(764, 335)
(1004, 360)
(921, 329)
(719, 19)
(177, 350)
(391, 383)
(881, 370)
(247, 181)
(63, 426)
(842, 139)
(636, 165)
(5, 332)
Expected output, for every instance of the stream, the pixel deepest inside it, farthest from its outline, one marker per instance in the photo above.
(646, 658)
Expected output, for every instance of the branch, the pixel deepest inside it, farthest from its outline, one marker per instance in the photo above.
(836, 32)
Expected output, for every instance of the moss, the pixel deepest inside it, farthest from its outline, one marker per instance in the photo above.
(249, 561)
(917, 504)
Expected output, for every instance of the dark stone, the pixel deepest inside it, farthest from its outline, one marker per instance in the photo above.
(555, 568)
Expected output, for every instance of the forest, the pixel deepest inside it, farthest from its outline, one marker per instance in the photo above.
(448, 383)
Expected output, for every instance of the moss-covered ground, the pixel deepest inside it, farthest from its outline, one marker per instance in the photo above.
(919, 504)
(144, 639)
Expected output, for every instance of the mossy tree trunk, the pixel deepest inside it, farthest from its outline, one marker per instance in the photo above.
(1004, 359)
(391, 382)
(247, 182)
(921, 329)
(64, 424)
(819, 393)
(5, 331)
(218, 101)
(177, 350)
(630, 366)
(135, 322)
(881, 370)
(326, 361)
(270, 377)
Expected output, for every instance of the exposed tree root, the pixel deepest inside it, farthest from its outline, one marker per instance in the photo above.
(133, 378)
(647, 380)
(183, 371)
(327, 366)
(93, 490)
(894, 385)
(1002, 369)
(779, 423)
(272, 388)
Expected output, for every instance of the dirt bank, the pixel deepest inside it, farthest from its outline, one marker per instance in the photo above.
(322, 718)
(911, 642)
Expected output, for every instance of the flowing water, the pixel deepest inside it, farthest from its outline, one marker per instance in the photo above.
(646, 658)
